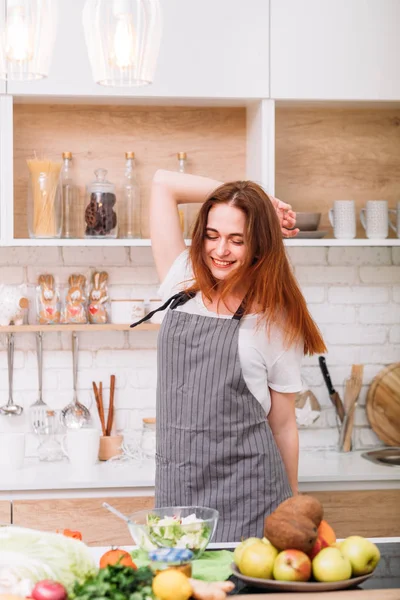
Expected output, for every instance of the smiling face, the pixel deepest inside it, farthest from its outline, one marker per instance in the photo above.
(224, 244)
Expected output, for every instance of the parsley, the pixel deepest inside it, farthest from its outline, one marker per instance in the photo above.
(116, 582)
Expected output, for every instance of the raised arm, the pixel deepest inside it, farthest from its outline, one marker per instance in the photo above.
(170, 188)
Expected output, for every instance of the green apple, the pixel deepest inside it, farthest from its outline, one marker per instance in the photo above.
(257, 560)
(292, 565)
(331, 565)
(363, 554)
(237, 555)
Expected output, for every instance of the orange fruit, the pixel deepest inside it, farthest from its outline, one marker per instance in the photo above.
(116, 556)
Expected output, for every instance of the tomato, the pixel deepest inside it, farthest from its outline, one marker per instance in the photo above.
(49, 590)
(117, 556)
(70, 533)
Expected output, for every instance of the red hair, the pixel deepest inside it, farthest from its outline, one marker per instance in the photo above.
(265, 275)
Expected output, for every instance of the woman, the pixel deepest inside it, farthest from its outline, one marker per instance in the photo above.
(229, 352)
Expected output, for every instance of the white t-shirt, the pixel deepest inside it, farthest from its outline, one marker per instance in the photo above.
(264, 360)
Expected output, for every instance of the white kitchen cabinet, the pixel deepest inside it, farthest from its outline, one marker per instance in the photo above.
(208, 50)
(335, 49)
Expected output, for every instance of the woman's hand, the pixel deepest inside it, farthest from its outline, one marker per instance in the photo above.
(286, 216)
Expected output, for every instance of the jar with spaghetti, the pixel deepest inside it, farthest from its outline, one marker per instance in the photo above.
(44, 199)
(171, 558)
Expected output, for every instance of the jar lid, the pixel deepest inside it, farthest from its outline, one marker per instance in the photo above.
(171, 555)
(129, 155)
(67, 155)
(149, 420)
(181, 155)
(100, 184)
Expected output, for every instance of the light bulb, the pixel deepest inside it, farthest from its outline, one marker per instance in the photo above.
(18, 35)
(124, 42)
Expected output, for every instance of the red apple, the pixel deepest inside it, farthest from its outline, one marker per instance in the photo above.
(326, 537)
(292, 565)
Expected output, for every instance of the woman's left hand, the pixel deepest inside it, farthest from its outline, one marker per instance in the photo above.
(286, 216)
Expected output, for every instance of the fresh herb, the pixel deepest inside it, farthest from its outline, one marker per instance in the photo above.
(116, 582)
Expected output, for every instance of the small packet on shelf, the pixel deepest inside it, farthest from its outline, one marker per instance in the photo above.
(48, 306)
(99, 301)
(75, 300)
(13, 305)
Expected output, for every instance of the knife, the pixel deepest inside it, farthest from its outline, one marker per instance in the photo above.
(333, 394)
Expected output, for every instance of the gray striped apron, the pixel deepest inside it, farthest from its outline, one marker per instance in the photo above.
(214, 444)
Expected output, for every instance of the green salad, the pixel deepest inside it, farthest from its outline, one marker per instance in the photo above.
(172, 532)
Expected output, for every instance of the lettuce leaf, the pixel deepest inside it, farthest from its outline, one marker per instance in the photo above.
(28, 555)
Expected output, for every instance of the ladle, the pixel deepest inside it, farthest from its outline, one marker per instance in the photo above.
(75, 415)
(10, 409)
(116, 512)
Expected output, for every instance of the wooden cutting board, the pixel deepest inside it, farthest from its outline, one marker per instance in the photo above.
(383, 405)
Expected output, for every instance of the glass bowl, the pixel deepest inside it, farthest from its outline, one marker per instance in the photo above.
(174, 527)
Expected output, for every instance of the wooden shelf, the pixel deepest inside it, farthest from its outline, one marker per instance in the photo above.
(334, 242)
(71, 327)
(146, 242)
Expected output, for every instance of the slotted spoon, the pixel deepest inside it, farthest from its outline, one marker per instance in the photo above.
(38, 410)
(10, 409)
(75, 415)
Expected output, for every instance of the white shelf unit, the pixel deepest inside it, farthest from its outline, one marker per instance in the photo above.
(260, 167)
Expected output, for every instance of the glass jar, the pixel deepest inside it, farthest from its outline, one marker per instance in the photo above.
(183, 209)
(70, 199)
(49, 447)
(148, 440)
(171, 558)
(44, 199)
(130, 224)
(100, 216)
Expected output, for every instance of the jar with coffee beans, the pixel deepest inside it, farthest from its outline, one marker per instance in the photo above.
(100, 212)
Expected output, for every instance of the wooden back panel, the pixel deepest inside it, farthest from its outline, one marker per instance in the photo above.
(98, 136)
(327, 154)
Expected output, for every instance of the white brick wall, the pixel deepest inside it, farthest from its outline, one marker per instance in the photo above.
(353, 293)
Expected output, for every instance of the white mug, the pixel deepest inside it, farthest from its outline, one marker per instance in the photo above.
(343, 219)
(12, 450)
(81, 446)
(375, 219)
(396, 227)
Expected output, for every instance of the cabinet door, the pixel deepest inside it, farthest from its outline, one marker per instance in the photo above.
(5, 512)
(208, 49)
(98, 526)
(335, 49)
(370, 513)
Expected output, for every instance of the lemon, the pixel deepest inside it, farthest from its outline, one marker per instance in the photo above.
(172, 585)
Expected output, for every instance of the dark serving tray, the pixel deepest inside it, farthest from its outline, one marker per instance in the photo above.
(386, 575)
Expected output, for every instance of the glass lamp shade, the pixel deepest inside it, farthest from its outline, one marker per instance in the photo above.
(123, 40)
(27, 36)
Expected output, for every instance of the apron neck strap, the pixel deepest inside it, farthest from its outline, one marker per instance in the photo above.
(240, 311)
(173, 302)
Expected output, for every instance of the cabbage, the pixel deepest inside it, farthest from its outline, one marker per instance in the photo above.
(28, 556)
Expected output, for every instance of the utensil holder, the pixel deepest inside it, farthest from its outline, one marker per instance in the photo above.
(110, 445)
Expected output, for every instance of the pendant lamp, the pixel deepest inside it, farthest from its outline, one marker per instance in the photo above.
(123, 40)
(27, 35)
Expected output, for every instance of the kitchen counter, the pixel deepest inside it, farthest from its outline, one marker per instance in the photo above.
(386, 577)
(323, 471)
